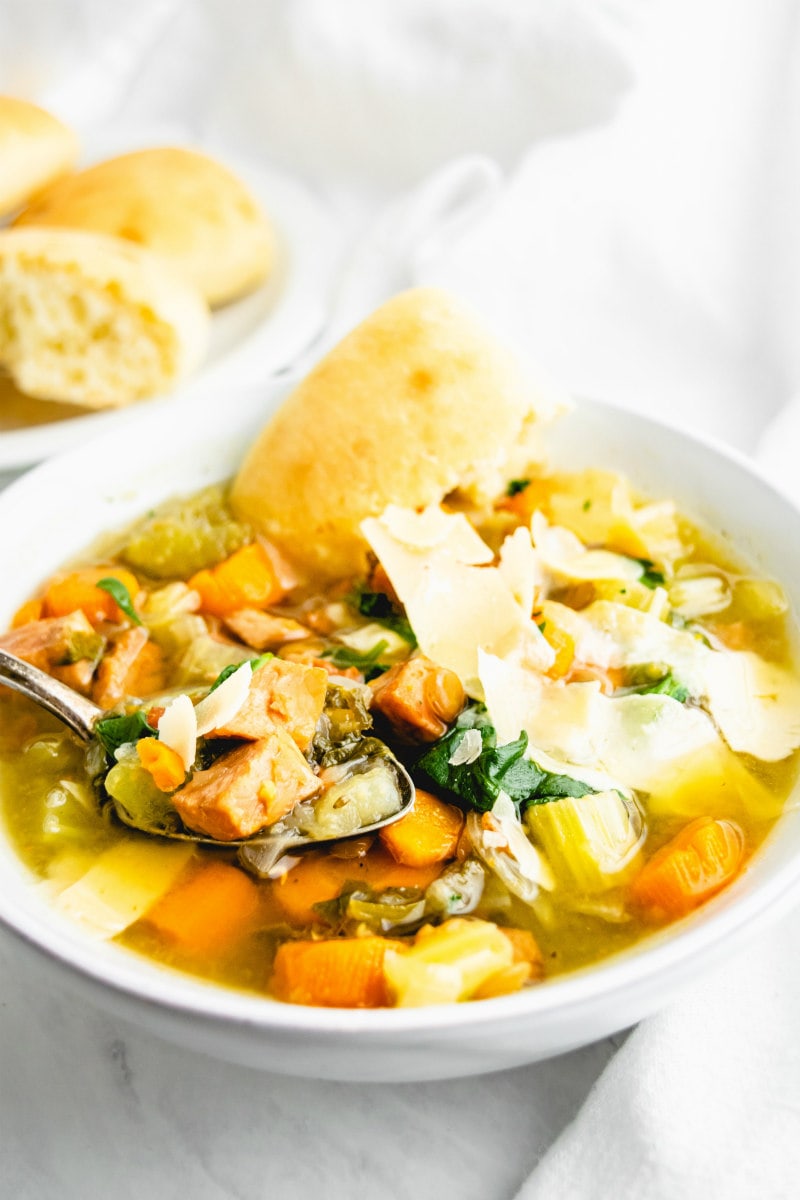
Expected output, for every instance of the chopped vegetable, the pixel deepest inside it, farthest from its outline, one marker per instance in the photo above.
(81, 590)
(704, 857)
(121, 596)
(114, 732)
(162, 762)
(137, 799)
(366, 661)
(479, 782)
(124, 882)
(339, 973)
(208, 912)
(184, 536)
(247, 579)
(447, 963)
(427, 834)
(591, 840)
(380, 608)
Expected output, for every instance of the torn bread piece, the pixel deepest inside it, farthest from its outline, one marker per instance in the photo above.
(93, 320)
(416, 404)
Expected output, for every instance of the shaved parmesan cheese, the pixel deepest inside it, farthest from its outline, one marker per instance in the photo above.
(468, 749)
(756, 704)
(455, 607)
(434, 529)
(520, 568)
(632, 738)
(566, 558)
(177, 728)
(219, 707)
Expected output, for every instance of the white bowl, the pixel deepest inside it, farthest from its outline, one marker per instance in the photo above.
(58, 509)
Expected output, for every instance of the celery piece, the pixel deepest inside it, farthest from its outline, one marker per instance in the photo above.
(185, 535)
(590, 841)
(122, 885)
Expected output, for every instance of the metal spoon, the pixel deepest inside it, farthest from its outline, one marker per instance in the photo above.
(81, 716)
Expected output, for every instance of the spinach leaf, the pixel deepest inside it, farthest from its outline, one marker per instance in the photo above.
(476, 785)
(366, 661)
(379, 607)
(114, 732)
(121, 597)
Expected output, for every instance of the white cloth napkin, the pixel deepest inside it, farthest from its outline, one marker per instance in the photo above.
(650, 259)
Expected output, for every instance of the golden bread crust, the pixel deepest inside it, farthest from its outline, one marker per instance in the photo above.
(181, 204)
(415, 403)
(35, 149)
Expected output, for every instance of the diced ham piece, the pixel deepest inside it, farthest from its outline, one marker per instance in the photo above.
(283, 694)
(264, 631)
(247, 789)
(134, 666)
(418, 698)
(55, 641)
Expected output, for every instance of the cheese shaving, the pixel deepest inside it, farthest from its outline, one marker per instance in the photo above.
(456, 607)
(755, 704)
(566, 558)
(219, 707)
(177, 729)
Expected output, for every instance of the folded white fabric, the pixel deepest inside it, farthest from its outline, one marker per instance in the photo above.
(703, 1100)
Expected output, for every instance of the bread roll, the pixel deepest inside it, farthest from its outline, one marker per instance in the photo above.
(416, 403)
(183, 205)
(35, 148)
(93, 320)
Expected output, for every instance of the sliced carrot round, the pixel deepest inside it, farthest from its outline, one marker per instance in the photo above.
(703, 858)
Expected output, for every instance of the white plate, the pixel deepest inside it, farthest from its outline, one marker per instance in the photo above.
(251, 339)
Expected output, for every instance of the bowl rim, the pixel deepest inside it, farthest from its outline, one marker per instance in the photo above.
(705, 935)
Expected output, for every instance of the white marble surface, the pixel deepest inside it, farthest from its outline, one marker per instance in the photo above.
(92, 1106)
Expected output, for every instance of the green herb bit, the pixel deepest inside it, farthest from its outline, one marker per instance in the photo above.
(651, 577)
(497, 769)
(114, 732)
(515, 486)
(587, 504)
(366, 661)
(668, 686)
(121, 597)
(226, 672)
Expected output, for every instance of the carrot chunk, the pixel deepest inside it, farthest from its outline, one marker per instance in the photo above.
(426, 835)
(339, 973)
(164, 764)
(208, 911)
(319, 877)
(79, 591)
(703, 858)
(245, 580)
(31, 610)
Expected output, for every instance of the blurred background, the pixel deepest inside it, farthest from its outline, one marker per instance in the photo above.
(638, 234)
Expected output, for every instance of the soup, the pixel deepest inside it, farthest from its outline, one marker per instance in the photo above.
(596, 705)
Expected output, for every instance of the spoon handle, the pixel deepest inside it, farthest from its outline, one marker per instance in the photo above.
(69, 706)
